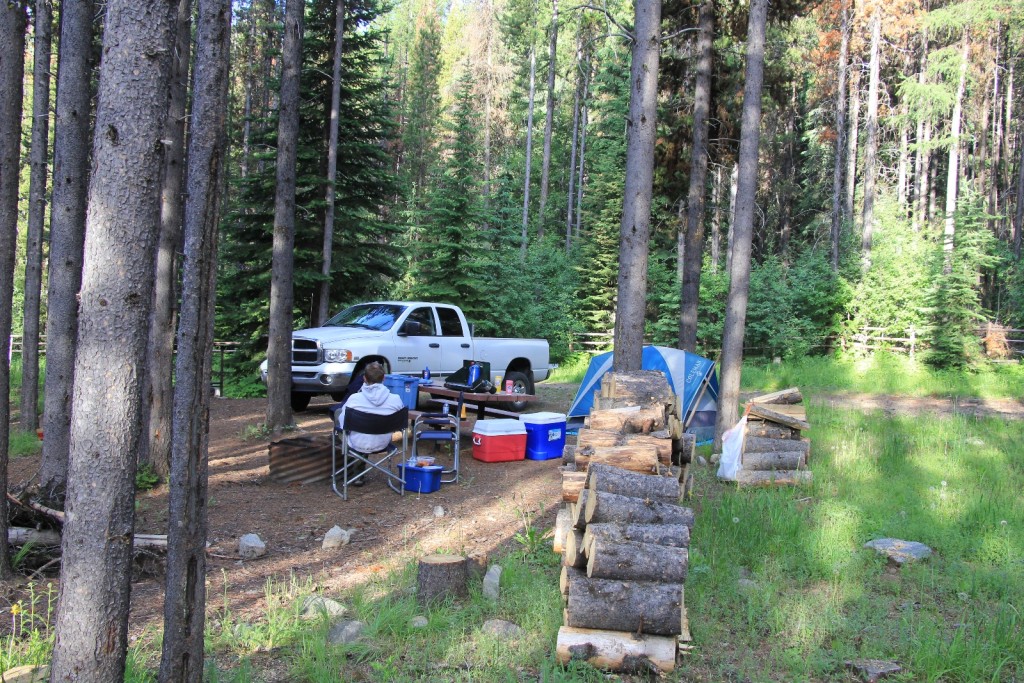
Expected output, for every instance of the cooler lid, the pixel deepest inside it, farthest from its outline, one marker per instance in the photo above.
(502, 427)
(543, 418)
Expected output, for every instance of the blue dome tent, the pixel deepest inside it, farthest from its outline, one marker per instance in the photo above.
(690, 376)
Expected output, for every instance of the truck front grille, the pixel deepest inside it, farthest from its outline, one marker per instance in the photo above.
(305, 352)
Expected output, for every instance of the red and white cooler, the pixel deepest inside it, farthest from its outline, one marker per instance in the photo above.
(499, 440)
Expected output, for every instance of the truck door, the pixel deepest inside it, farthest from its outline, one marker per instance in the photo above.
(416, 345)
(456, 345)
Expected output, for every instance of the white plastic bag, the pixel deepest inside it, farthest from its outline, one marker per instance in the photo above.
(732, 450)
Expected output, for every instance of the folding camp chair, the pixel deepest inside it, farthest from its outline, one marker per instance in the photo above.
(440, 428)
(367, 423)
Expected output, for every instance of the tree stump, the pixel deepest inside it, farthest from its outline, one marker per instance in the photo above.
(609, 507)
(601, 477)
(632, 606)
(439, 577)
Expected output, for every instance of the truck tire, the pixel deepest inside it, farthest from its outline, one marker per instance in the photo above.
(300, 401)
(521, 384)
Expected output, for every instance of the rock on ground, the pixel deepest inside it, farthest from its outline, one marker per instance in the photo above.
(26, 674)
(492, 582)
(251, 546)
(872, 670)
(418, 622)
(317, 605)
(502, 629)
(899, 551)
(337, 537)
(345, 632)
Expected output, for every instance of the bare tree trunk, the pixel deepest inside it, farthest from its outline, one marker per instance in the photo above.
(734, 178)
(837, 170)
(185, 595)
(716, 220)
(158, 390)
(693, 243)
(634, 233)
(584, 115)
(116, 298)
(871, 144)
(548, 119)
(529, 154)
(904, 162)
(13, 21)
(920, 167)
(332, 164)
(852, 143)
(997, 138)
(948, 233)
(736, 308)
(36, 215)
(924, 182)
(71, 135)
(570, 196)
(1018, 215)
(282, 294)
(788, 179)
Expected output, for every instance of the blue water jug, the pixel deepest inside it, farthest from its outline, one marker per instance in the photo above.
(474, 375)
(426, 373)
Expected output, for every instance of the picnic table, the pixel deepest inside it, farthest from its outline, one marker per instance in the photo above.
(481, 403)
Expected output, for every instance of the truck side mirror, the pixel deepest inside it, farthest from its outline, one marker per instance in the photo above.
(411, 328)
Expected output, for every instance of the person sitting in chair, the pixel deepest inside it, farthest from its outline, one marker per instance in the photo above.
(373, 398)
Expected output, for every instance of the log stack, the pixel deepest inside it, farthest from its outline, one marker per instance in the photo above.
(775, 453)
(623, 536)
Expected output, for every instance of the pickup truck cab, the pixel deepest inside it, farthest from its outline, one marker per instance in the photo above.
(406, 338)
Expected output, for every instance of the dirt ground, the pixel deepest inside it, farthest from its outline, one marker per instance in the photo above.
(482, 512)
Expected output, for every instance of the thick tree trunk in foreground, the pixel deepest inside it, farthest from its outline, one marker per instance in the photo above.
(840, 160)
(12, 67)
(323, 310)
(736, 308)
(635, 231)
(122, 227)
(158, 389)
(36, 214)
(71, 135)
(693, 250)
(185, 594)
(871, 144)
(545, 171)
(282, 292)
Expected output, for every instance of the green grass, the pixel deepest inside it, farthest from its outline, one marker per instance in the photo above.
(885, 374)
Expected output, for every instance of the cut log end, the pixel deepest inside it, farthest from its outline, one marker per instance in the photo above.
(440, 577)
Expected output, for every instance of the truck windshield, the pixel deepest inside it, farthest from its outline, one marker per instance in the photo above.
(367, 316)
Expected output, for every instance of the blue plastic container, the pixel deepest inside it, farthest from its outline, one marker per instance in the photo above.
(545, 435)
(405, 387)
(421, 479)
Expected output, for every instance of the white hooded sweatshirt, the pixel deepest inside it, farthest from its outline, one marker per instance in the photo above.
(375, 399)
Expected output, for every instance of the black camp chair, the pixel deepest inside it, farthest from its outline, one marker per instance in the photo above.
(368, 423)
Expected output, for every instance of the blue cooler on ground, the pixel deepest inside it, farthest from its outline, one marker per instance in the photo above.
(405, 387)
(421, 479)
(545, 435)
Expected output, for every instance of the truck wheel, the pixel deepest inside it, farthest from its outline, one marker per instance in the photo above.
(521, 384)
(338, 395)
(300, 401)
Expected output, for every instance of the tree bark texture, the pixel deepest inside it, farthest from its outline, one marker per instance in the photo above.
(768, 430)
(775, 460)
(122, 227)
(736, 307)
(838, 167)
(616, 650)
(674, 535)
(747, 478)
(609, 507)
(570, 195)
(610, 479)
(759, 444)
(917, 181)
(852, 142)
(637, 561)
(871, 142)
(185, 588)
(693, 249)
(332, 165)
(643, 459)
(629, 420)
(13, 21)
(439, 577)
(71, 139)
(602, 438)
(158, 389)
(635, 230)
(1018, 215)
(36, 216)
(955, 124)
(545, 172)
(282, 293)
(716, 219)
(637, 606)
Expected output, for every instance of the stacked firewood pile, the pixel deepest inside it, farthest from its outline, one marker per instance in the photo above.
(622, 533)
(774, 450)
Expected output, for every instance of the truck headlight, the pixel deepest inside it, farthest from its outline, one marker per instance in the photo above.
(337, 355)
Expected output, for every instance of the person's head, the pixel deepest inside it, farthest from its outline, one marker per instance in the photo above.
(374, 373)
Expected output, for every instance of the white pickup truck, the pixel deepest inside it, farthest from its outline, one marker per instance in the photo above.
(405, 337)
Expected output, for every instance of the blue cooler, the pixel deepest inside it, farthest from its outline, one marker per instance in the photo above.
(405, 387)
(421, 479)
(545, 435)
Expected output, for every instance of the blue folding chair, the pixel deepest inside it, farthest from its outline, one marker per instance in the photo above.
(368, 423)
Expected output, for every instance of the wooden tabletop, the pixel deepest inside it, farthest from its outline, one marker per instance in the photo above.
(474, 397)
